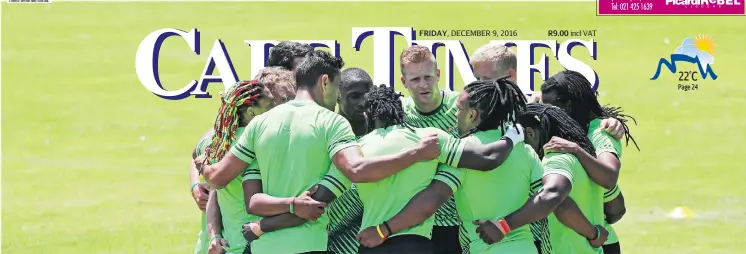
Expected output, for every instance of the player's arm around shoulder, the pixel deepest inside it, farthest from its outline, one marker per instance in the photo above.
(613, 127)
(237, 159)
(347, 157)
(485, 157)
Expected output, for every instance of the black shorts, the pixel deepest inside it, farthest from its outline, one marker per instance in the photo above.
(410, 244)
(613, 248)
(445, 240)
(538, 247)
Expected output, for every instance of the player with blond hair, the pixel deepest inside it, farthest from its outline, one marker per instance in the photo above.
(429, 106)
(493, 61)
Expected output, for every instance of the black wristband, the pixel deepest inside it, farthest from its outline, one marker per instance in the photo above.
(385, 224)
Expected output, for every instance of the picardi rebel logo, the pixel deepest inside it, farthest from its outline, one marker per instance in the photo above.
(699, 51)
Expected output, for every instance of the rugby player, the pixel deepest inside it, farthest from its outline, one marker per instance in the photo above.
(226, 207)
(239, 104)
(286, 55)
(428, 106)
(571, 92)
(493, 61)
(200, 192)
(390, 133)
(565, 176)
(346, 212)
(291, 163)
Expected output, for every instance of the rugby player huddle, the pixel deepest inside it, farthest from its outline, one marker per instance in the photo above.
(480, 171)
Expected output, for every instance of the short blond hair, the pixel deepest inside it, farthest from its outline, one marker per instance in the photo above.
(503, 57)
(416, 54)
(279, 81)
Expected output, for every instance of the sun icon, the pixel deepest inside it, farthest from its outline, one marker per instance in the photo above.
(705, 43)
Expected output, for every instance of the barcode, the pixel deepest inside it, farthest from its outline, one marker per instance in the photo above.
(29, 1)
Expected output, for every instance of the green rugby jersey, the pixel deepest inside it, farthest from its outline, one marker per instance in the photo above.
(293, 144)
(380, 205)
(491, 195)
(345, 216)
(233, 210)
(587, 194)
(204, 237)
(603, 142)
(444, 118)
(540, 228)
(251, 173)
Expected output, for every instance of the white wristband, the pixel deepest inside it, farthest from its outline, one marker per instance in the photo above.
(514, 133)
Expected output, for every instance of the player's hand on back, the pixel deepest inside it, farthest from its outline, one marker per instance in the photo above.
(428, 149)
(306, 207)
(601, 237)
(560, 145)
(614, 127)
(200, 194)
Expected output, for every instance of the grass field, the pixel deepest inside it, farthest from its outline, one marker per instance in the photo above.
(94, 163)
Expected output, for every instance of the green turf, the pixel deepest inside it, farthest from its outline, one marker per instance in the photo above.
(94, 163)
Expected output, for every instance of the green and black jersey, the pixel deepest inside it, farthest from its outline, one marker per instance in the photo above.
(444, 118)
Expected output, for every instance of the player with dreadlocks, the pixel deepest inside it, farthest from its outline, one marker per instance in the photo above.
(411, 230)
(570, 91)
(285, 55)
(570, 231)
(240, 103)
(276, 85)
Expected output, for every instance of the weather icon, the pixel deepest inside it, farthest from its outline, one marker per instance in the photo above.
(699, 50)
